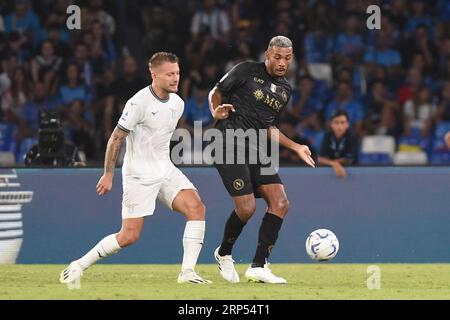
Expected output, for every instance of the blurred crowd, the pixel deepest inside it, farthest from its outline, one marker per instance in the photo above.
(391, 82)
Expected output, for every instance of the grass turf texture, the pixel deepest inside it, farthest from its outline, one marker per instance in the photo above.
(305, 281)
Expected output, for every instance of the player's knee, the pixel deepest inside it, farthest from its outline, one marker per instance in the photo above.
(196, 210)
(285, 205)
(246, 210)
(281, 206)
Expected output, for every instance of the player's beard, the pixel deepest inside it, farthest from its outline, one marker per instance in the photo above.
(170, 89)
(280, 73)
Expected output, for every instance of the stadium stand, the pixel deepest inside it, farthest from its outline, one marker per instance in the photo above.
(45, 65)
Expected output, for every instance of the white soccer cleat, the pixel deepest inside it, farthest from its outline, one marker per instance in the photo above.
(263, 275)
(71, 274)
(226, 267)
(189, 276)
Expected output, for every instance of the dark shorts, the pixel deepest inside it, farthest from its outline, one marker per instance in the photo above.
(243, 179)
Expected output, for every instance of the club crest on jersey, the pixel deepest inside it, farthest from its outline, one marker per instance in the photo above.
(284, 95)
(238, 184)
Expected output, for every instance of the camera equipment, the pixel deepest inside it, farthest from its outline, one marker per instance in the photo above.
(51, 135)
(51, 149)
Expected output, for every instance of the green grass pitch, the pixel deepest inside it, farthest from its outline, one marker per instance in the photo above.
(305, 281)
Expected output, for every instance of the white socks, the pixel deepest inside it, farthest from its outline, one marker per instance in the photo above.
(194, 233)
(105, 248)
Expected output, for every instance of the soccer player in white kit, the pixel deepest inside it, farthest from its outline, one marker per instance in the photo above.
(147, 122)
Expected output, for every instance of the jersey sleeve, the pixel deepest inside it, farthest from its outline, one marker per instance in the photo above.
(132, 114)
(182, 109)
(236, 77)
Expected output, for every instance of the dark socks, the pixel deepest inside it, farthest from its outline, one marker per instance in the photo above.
(233, 229)
(268, 235)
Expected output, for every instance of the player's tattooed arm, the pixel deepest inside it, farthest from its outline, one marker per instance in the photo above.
(113, 149)
(104, 185)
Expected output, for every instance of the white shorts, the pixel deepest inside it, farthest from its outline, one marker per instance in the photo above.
(139, 196)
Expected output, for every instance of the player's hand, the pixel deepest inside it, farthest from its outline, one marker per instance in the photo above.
(223, 111)
(305, 154)
(104, 185)
(339, 170)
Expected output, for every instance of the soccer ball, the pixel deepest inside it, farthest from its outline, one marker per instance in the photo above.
(322, 245)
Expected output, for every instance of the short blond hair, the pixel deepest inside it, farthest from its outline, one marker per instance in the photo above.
(160, 57)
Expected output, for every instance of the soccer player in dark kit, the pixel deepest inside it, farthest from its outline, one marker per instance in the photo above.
(251, 97)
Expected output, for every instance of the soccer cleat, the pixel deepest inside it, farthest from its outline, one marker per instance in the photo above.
(226, 267)
(71, 274)
(189, 276)
(263, 275)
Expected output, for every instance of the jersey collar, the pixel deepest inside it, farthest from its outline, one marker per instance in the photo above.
(156, 96)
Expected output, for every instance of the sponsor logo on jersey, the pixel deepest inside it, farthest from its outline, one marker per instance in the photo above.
(271, 102)
(260, 81)
(259, 94)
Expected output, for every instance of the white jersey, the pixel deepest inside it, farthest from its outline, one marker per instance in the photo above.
(150, 122)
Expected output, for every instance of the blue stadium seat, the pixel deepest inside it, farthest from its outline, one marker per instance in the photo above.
(438, 141)
(440, 158)
(441, 129)
(6, 136)
(439, 145)
(367, 159)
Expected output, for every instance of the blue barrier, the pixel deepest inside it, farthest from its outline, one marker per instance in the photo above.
(387, 214)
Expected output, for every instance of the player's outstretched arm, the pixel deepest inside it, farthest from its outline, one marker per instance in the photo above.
(218, 110)
(104, 185)
(302, 150)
